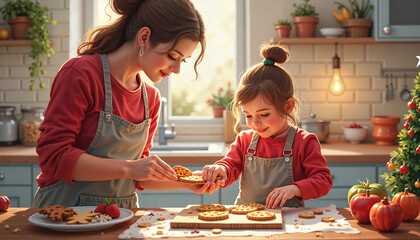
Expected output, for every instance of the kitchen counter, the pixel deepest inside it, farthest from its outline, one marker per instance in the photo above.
(18, 218)
(334, 152)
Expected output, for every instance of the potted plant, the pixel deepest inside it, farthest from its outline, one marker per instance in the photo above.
(283, 28)
(358, 24)
(220, 101)
(305, 19)
(35, 17)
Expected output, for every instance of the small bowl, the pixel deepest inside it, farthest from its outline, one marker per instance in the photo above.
(355, 135)
(332, 32)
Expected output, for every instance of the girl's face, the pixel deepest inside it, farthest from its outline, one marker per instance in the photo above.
(158, 63)
(263, 117)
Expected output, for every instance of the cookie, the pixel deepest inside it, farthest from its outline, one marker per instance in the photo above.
(261, 215)
(211, 207)
(194, 179)
(317, 212)
(57, 213)
(213, 215)
(81, 217)
(306, 215)
(257, 205)
(216, 231)
(328, 219)
(241, 209)
(182, 171)
(144, 224)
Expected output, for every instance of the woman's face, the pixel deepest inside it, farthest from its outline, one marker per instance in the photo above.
(262, 117)
(158, 63)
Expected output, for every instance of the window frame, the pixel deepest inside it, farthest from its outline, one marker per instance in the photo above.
(81, 19)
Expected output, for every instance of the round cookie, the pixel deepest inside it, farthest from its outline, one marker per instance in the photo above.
(211, 207)
(241, 209)
(328, 219)
(306, 215)
(213, 215)
(261, 215)
(182, 171)
(257, 205)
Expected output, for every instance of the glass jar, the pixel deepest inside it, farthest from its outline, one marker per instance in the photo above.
(8, 126)
(29, 125)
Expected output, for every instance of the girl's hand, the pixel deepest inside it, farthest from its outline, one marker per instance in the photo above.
(210, 172)
(152, 168)
(279, 195)
(208, 188)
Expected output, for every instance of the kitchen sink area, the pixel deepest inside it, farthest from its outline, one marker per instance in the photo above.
(188, 148)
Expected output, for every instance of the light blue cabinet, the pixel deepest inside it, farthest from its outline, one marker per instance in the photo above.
(397, 20)
(17, 181)
(344, 176)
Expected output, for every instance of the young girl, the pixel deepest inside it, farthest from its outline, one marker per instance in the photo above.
(102, 116)
(281, 165)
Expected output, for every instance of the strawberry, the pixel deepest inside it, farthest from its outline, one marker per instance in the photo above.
(100, 208)
(112, 210)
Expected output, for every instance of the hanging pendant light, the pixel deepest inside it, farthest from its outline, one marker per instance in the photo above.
(336, 85)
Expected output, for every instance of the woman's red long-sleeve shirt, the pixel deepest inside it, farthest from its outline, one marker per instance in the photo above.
(71, 118)
(310, 171)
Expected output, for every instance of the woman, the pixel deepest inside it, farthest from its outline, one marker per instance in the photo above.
(102, 116)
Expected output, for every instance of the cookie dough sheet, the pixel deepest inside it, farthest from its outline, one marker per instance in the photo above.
(291, 224)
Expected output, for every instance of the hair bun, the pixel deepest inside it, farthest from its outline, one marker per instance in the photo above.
(275, 51)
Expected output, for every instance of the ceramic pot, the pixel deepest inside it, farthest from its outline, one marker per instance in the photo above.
(283, 31)
(218, 111)
(305, 26)
(357, 27)
(229, 126)
(19, 26)
(385, 130)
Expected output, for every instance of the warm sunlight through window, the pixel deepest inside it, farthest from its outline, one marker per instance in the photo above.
(188, 97)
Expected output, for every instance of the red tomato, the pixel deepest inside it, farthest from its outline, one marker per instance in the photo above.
(4, 203)
(360, 205)
(386, 216)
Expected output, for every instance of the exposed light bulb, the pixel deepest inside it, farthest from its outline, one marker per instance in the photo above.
(336, 85)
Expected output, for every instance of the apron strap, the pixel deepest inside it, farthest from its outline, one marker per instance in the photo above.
(145, 99)
(107, 85)
(287, 150)
(253, 145)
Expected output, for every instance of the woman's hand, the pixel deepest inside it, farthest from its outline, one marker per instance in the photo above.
(151, 168)
(210, 172)
(280, 195)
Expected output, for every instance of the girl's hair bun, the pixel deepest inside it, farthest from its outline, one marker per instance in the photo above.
(275, 51)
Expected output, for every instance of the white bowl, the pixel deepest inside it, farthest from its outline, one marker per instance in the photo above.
(332, 32)
(355, 135)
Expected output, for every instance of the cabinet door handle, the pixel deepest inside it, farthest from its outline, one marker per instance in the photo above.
(387, 29)
(1, 176)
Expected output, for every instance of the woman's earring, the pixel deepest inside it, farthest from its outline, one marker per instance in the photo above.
(141, 50)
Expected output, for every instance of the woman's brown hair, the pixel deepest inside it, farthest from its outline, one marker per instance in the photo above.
(168, 20)
(270, 81)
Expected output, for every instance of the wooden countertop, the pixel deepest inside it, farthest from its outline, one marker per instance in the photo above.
(334, 152)
(18, 218)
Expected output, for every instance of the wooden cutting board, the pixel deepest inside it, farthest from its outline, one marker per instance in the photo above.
(188, 218)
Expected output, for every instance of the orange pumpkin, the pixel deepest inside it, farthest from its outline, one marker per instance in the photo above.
(409, 203)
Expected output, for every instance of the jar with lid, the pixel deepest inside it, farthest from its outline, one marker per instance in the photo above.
(29, 125)
(8, 126)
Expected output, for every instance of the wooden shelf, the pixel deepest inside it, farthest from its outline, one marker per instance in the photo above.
(8, 43)
(342, 40)
(321, 40)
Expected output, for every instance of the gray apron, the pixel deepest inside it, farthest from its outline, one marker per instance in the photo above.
(262, 175)
(115, 138)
